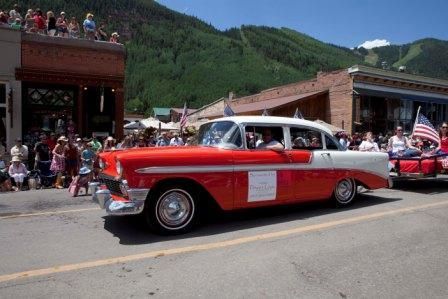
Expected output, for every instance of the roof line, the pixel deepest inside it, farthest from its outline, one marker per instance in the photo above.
(392, 75)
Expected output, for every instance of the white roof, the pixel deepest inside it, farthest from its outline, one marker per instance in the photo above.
(273, 120)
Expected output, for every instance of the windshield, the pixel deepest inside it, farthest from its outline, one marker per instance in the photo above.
(220, 134)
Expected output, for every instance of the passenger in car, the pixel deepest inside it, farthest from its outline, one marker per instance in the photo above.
(315, 142)
(269, 142)
(298, 143)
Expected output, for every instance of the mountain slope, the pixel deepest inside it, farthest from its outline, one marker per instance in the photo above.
(427, 57)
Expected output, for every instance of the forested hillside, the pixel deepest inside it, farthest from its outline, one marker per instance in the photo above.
(173, 58)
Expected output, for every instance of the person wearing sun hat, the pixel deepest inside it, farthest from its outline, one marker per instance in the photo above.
(88, 156)
(58, 161)
(109, 144)
(62, 25)
(89, 27)
(17, 171)
(114, 37)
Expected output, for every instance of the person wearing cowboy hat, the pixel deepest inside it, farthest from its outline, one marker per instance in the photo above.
(17, 170)
(58, 161)
(114, 37)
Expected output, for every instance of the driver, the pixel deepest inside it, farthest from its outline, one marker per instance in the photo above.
(269, 142)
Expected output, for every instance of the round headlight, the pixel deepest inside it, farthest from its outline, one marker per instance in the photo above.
(119, 168)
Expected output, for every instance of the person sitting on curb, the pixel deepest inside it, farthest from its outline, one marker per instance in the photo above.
(5, 182)
(17, 171)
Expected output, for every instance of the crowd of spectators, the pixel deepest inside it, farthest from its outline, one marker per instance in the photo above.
(35, 21)
(67, 155)
(396, 144)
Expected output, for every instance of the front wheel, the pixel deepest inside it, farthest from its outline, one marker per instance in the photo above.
(344, 192)
(172, 210)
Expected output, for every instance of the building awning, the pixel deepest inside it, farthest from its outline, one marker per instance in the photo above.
(399, 93)
(162, 111)
(274, 103)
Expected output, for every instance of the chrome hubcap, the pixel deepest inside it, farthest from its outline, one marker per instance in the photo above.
(175, 208)
(344, 190)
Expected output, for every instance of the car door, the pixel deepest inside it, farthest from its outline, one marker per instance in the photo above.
(314, 179)
(262, 176)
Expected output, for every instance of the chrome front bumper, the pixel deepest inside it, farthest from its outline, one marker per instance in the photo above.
(133, 206)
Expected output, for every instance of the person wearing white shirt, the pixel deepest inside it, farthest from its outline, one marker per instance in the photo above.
(344, 141)
(269, 142)
(176, 140)
(368, 145)
(17, 171)
(20, 150)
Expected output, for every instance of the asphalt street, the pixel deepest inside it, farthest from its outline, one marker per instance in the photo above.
(390, 243)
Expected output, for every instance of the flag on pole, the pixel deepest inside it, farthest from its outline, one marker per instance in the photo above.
(298, 114)
(265, 112)
(423, 128)
(227, 110)
(183, 120)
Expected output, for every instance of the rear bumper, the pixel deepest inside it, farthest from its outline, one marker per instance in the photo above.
(118, 206)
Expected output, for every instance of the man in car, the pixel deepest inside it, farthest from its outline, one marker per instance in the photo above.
(269, 142)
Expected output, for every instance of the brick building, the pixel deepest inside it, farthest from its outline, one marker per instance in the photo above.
(51, 83)
(356, 99)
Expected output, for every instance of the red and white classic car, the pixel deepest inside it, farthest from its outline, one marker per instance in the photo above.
(170, 185)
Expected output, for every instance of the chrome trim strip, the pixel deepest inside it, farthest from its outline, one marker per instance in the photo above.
(185, 169)
(231, 168)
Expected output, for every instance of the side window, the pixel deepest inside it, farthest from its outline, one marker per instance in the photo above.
(258, 137)
(305, 138)
(331, 143)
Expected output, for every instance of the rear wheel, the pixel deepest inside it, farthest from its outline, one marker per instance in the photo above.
(344, 192)
(172, 210)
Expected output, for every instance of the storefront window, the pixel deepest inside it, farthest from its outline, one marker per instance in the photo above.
(383, 115)
(47, 109)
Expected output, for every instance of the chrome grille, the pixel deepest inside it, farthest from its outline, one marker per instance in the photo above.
(112, 184)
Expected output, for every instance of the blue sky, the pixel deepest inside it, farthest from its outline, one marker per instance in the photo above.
(347, 23)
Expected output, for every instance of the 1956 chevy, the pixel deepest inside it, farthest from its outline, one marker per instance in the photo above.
(170, 185)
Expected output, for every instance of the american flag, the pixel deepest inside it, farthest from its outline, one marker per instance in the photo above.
(423, 128)
(228, 111)
(183, 120)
